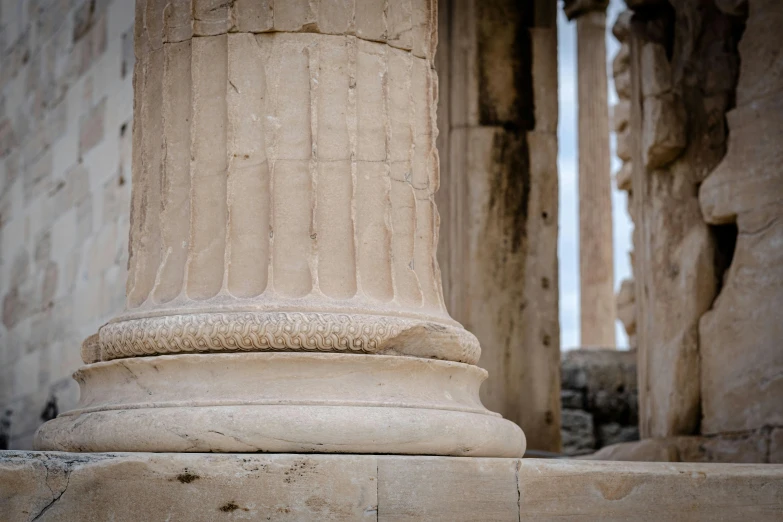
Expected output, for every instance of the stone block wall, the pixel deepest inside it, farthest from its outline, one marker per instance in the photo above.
(66, 103)
(599, 399)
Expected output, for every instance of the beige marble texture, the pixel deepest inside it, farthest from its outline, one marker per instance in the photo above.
(282, 402)
(193, 487)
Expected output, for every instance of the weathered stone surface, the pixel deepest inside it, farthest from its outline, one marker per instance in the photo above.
(733, 7)
(572, 399)
(776, 446)
(622, 26)
(578, 432)
(599, 399)
(614, 491)
(498, 154)
(742, 363)
(621, 62)
(623, 179)
(282, 402)
(614, 433)
(680, 125)
(663, 135)
(144, 486)
(685, 275)
(749, 447)
(622, 84)
(645, 450)
(602, 374)
(626, 309)
(656, 73)
(310, 171)
(487, 489)
(621, 115)
(65, 486)
(624, 145)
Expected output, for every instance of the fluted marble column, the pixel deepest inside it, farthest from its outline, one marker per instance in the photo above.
(596, 269)
(283, 292)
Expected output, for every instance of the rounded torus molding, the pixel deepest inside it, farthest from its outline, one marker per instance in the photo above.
(282, 402)
(286, 331)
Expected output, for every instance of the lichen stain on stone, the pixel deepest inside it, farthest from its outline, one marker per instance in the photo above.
(506, 101)
(230, 507)
(505, 60)
(187, 478)
(509, 190)
(316, 503)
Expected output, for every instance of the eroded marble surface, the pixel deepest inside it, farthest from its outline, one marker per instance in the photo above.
(175, 486)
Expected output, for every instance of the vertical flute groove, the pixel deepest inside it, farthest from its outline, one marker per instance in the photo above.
(209, 169)
(145, 243)
(175, 183)
(374, 263)
(292, 194)
(248, 172)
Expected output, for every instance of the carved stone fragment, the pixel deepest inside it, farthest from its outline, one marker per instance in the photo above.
(663, 135)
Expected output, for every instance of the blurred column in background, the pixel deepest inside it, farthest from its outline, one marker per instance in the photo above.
(596, 272)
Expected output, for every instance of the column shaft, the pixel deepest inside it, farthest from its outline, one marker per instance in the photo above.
(285, 164)
(595, 202)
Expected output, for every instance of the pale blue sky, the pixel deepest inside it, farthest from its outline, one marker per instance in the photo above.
(568, 240)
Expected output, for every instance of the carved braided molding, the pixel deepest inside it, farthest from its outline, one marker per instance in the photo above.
(285, 331)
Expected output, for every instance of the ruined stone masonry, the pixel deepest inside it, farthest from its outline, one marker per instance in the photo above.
(599, 398)
(742, 363)
(674, 250)
(705, 186)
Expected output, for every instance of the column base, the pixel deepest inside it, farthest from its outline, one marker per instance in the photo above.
(282, 403)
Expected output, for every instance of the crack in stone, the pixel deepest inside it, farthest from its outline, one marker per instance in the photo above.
(519, 492)
(275, 31)
(56, 497)
(377, 490)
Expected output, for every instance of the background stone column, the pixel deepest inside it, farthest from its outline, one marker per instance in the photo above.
(497, 116)
(596, 269)
(283, 180)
